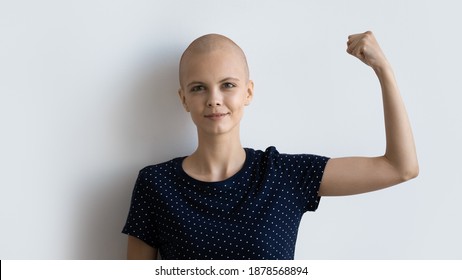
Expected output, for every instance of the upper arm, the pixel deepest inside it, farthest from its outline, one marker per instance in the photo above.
(139, 250)
(355, 175)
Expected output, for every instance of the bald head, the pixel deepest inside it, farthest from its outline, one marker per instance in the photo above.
(208, 44)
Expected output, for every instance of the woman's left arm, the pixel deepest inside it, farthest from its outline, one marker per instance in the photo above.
(354, 175)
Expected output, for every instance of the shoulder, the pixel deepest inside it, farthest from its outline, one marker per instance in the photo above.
(268, 152)
(271, 161)
(273, 155)
(164, 168)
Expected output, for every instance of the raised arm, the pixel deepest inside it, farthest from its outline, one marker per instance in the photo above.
(354, 175)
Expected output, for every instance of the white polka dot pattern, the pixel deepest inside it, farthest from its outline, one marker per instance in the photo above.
(255, 214)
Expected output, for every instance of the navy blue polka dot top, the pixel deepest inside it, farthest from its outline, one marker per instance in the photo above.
(255, 214)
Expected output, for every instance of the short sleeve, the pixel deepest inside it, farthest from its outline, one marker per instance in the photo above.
(311, 170)
(304, 172)
(140, 223)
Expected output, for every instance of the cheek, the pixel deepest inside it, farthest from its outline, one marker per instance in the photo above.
(194, 103)
(238, 108)
(196, 116)
(196, 109)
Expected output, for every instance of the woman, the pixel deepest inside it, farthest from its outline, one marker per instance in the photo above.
(229, 202)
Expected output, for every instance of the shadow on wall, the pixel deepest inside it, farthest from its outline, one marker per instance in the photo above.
(152, 125)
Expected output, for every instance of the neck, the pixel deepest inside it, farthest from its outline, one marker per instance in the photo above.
(216, 158)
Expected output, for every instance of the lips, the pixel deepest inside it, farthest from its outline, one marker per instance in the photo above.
(216, 115)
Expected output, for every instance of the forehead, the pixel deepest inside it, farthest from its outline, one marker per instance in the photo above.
(212, 65)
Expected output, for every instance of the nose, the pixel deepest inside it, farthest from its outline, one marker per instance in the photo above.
(215, 98)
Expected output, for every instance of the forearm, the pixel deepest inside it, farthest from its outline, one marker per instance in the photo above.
(400, 147)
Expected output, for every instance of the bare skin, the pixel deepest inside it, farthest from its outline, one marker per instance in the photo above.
(214, 82)
(215, 88)
(355, 175)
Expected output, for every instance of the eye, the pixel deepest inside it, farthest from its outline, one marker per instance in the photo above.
(197, 88)
(229, 85)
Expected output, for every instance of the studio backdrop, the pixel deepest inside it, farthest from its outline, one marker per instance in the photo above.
(88, 97)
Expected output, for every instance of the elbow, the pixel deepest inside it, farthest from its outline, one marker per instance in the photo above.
(405, 170)
(409, 173)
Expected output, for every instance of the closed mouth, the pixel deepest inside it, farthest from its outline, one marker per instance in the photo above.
(216, 115)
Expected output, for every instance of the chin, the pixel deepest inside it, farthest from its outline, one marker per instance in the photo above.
(219, 131)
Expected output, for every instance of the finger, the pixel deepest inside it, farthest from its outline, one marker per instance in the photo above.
(360, 34)
(357, 36)
(352, 36)
(360, 41)
(359, 52)
(349, 42)
(353, 43)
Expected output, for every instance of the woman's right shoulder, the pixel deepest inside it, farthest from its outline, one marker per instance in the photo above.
(162, 167)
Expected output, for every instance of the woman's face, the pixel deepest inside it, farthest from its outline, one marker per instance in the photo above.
(215, 89)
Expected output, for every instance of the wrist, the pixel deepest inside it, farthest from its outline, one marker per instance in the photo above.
(383, 69)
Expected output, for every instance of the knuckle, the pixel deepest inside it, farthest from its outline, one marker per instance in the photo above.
(367, 36)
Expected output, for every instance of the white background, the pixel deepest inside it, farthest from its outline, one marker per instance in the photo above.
(88, 97)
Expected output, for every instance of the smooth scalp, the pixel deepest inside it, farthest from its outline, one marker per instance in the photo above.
(207, 44)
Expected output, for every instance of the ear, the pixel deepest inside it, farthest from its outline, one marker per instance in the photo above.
(249, 95)
(183, 99)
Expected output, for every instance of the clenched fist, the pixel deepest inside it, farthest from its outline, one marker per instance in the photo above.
(365, 47)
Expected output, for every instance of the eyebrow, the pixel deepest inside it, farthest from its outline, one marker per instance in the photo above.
(221, 81)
